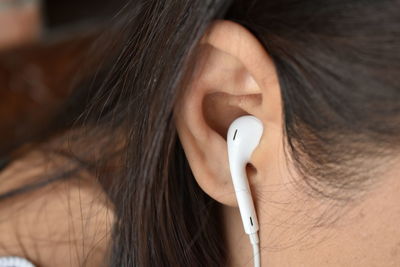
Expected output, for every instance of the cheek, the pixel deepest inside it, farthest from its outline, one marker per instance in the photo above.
(285, 213)
(296, 229)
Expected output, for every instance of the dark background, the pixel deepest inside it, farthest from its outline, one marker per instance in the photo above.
(67, 13)
(35, 78)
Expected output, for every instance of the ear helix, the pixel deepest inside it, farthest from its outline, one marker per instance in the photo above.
(243, 137)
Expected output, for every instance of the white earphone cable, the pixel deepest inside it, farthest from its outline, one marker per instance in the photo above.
(256, 249)
(14, 262)
(256, 255)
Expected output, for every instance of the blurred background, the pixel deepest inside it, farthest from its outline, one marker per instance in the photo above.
(43, 44)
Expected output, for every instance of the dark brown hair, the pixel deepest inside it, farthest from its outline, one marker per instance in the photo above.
(338, 64)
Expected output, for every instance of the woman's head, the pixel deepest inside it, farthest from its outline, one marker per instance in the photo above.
(325, 157)
(323, 78)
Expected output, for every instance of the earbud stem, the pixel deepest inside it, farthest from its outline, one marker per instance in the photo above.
(244, 198)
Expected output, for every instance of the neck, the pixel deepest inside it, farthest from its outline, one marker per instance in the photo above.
(237, 241)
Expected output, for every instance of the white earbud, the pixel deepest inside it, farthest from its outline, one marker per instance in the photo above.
(244, 135)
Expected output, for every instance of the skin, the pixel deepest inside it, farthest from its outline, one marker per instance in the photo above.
(23, 25)
(64, 224)
(235, 77)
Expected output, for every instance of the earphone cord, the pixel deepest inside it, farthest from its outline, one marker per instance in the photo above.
(256, 249)
(256, 255)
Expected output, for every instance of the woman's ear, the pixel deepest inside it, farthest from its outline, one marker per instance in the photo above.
(234, 76)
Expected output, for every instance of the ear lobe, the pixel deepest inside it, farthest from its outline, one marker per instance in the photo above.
(228, 84)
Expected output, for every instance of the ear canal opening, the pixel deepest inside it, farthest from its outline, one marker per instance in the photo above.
(220, 109)
(219, 115)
